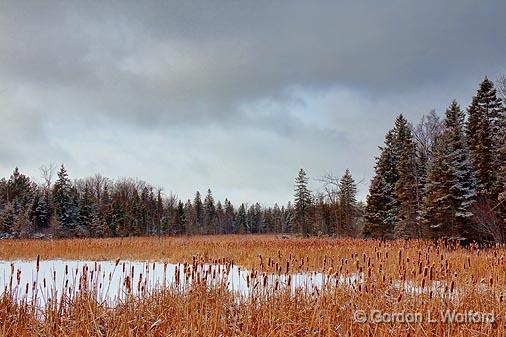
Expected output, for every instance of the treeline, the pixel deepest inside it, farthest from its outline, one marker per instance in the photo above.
(443, 178)
(101, 207)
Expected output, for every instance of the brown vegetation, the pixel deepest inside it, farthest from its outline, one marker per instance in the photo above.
(398, 276)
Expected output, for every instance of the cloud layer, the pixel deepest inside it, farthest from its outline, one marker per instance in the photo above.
(235, 96)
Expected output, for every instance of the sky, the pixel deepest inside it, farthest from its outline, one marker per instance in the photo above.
(235, 96)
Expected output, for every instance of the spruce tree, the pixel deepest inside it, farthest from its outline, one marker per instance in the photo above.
(347, 203)
(302, 203)
(198, 209)
(229, 217)
(485, 127)
(19, 190)
(407, 186)
(65, 204)
(86, 208)
(382, 207)
(39, 214)
(209, 213)
(288, 218)
(242, 220)
(7, 218)
(451, 184)
(180, 222)
(219, 221)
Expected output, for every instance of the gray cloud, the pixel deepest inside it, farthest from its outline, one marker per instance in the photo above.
(287, 83)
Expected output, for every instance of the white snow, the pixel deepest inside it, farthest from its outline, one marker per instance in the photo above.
(107, 279)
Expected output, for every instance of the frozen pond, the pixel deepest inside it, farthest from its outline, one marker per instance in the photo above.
(112, 281)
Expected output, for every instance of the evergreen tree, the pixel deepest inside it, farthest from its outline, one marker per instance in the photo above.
(251, 222)
(347, 203)
(7, 218)
(39, 214)
(288, 218)
(229, 221)
(485, 126)
(117, 222)
(451, 185)
(242, 220)
(189, 214)
(19, 190)
(180, 222)
(302, 203)
(219, 226)
(86, 208)
(65, 206)
(406, 187)
(198, 209)
(23, 226)
(382, 209)
(209, 213)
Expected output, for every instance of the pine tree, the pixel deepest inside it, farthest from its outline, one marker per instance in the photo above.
(382, 206)
(406, 187)
(347, 203)
(302, 203)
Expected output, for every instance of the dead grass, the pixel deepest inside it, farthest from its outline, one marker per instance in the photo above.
(397, 277)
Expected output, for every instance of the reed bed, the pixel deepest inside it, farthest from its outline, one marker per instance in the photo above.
(393, 277)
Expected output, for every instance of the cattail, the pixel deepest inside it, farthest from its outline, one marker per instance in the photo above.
(38, 263)
(127, 284)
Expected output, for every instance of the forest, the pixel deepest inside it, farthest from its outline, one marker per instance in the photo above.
(444, 177)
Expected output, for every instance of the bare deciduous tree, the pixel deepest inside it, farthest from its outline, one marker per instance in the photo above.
(47, 173)
(426, 132)
(488, 223)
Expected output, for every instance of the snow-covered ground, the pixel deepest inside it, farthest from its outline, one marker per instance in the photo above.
(111, 281)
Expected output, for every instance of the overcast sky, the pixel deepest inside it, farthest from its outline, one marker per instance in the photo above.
(235, 96)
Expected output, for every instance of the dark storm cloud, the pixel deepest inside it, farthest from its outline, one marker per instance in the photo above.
(66, 66)
(198, 58)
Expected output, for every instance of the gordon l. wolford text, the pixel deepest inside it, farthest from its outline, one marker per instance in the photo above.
(441, 316)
